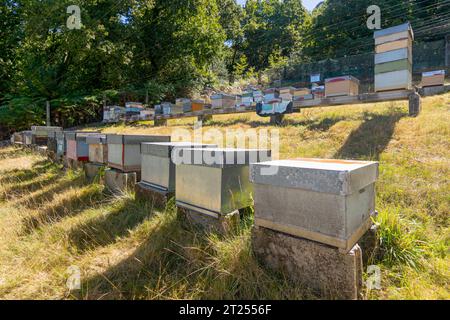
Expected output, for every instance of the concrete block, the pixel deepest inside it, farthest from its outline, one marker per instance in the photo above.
(157, 197)
(223, 224)
(118, 181)
(93, 170)
(323, 269)
(328, 201)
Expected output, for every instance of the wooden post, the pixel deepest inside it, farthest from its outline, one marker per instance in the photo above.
(276, 119)
(415, 104)
(447, 51)
(48, 113)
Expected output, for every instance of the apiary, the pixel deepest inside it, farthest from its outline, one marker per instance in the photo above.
(124, 151)
(393, 58)
(328, 201)
(98, 149)
(40, 134)
(76, 147)
(158, 166)
(341, 86)
(222, 100)
(433, 78)
(214, 181)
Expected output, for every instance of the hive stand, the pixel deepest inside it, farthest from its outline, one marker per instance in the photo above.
(323, 269)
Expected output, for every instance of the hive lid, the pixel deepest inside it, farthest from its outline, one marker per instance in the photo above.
(96, 139)
(339, 177)
(222, 96)
(164, 149)
(433, 73)
(341, 78)
(45, 128)
(396, 29)
(135, 139)
(222, 157)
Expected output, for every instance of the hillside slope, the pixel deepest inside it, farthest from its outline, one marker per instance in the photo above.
(54, 224)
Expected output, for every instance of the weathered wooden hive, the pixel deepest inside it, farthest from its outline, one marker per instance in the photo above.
(27, 138)
(40, 134)
(158, 166)
(341, 86)
(76, 147)
(393, 58)
(433, 78)
(98, 148)
(124, 151)
(328, 201)
(215, 181)
(287, 93)
(222, 100)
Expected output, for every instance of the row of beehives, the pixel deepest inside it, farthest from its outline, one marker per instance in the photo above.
(326, 204)
(329, 201)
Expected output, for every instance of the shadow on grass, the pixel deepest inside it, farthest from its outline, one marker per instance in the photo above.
(22, 175)
(89, 197)
(177, 260)
(372, 137)
(107, 229)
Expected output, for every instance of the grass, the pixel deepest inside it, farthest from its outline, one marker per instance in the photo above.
(52, 221)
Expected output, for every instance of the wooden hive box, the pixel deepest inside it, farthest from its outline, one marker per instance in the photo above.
(198, 105)
(98, 148)
(222, 100)
(287, 93)
(76, 146)
(124, 151)
(433, 78)
(341, 86)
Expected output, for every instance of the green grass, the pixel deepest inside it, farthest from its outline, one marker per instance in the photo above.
(51, 220)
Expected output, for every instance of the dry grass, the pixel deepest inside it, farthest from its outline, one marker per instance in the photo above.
(51, 220)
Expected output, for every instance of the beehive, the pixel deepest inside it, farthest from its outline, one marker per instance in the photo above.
(328, 201)
(271, 94)
(183, 104)
(197, 105)
(247, 99)
(393, 58)
(158, 168)
(287, 93)
(302, 94)
(124, 151)
(216, 182)
(341, 86)
(28, 138)
(60, 144)
(258, 96)
(40, 134)
(76, 147)
(222, 100)
(98, 148)
(433, 78)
